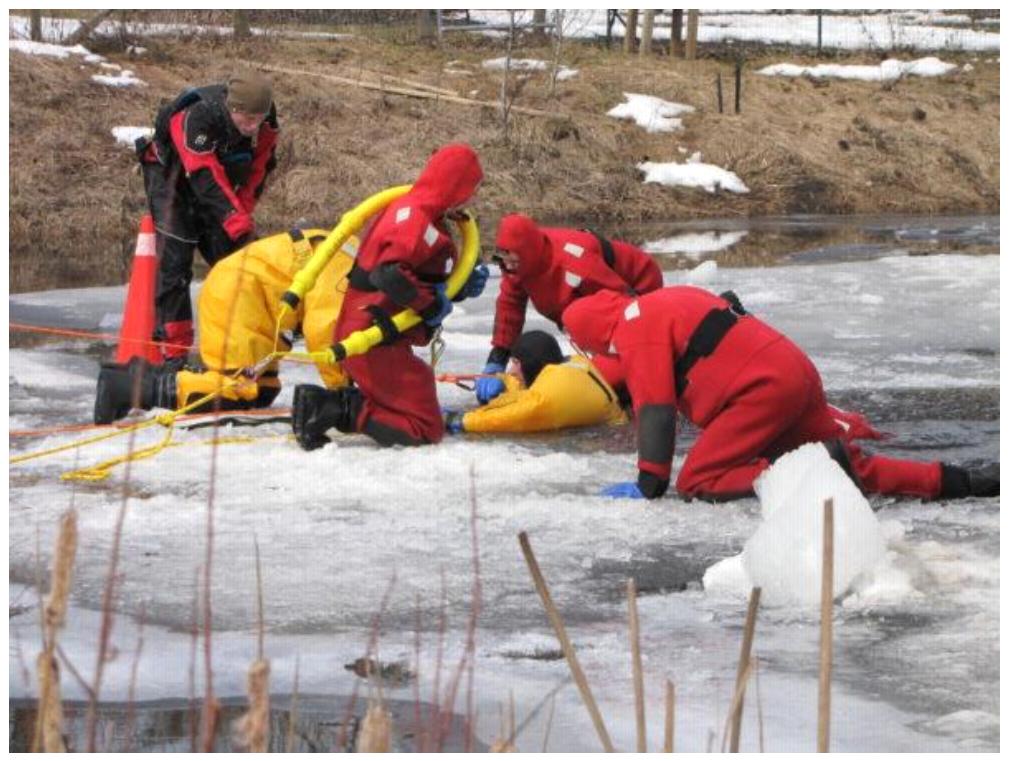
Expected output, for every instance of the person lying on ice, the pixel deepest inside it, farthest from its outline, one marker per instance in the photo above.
(753, 393)
(545, 391)
(552, 267)
(402, 263)
(237, 312)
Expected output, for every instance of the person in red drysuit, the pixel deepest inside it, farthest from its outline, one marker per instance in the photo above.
(753, 393)
(402, 263)
(553, 266)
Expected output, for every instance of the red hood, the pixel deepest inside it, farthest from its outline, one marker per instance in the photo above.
(450, 177)
(520, 235)
(591, 321)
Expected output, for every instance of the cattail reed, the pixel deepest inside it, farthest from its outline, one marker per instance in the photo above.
(49, 730)
(63, 567)
(376, 730)
(253, 728)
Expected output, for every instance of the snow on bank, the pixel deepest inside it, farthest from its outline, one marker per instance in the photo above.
(847, 31)
(695, 245)
(124, 78)
(693, 174)
(783, 557)
(129, 135)
(887, 71)
(53, 51)
(529, 64)
(651, 113)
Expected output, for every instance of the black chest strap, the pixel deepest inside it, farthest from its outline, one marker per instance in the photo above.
(706, 337)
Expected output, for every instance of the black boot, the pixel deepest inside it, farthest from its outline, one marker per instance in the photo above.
(136, 385)
(316, 410)
(838, 453)
(957, 482)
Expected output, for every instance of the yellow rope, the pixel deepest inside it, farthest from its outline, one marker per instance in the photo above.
(102, 470)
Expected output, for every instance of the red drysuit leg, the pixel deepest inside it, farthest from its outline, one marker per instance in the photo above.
(399, 393)
(886, 475)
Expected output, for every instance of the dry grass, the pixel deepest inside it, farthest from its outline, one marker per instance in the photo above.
(75, 194)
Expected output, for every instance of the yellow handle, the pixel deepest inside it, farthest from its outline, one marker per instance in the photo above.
(361, 341)
(350, 223)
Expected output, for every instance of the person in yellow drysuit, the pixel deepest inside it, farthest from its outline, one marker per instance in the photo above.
(237, 311)
(544, 391)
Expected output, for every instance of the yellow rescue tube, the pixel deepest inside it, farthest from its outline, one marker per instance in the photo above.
(361, 341)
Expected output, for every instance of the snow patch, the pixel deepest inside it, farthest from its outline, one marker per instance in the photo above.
(125, 78)
(52, 51)
(693, 174)
(651, 113)
(528, 64)
(887, 71)
(703, 273)
(129, 135)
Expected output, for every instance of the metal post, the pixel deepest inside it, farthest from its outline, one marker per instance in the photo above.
(820, 31)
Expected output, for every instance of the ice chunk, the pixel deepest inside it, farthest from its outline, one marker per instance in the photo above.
(784, 555)
(727, 578)
(703, 273)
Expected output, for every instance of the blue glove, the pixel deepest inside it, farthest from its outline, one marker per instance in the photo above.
(474, 285)
(624, 490)
(488, 388)
(453, 421)
(439, 309)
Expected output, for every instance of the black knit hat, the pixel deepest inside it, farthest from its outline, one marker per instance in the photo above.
(533, 350)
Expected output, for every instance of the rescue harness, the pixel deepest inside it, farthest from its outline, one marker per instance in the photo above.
(707, 336)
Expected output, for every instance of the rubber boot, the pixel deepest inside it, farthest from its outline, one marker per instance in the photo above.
(316, 410)
(136, 385)
(957, 482)
(838, 453)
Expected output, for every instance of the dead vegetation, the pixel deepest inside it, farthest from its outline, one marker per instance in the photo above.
(802, 146)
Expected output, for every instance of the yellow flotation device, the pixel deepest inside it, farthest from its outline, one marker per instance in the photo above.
(361, 341)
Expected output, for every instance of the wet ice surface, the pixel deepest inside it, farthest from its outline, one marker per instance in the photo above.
(912, 341)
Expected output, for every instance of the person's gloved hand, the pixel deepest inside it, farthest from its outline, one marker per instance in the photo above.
(624, 490)
(488, 388)
(474, 285)
(453, 421)
(439, 308)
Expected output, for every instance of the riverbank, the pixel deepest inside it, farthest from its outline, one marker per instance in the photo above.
(800, 145)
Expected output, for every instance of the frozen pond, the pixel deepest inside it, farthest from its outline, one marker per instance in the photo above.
(911, 340)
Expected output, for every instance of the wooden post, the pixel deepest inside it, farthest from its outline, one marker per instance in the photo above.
(636, 667)
(668, 729)
(741, 669)
(35, 18)
(718, 89)
(539, 26)
(691, 51)
(645, 47)
(630, 30)
(566, 645)
(736, 92)
(240, 25)
(676, 34)
(827, 607)
(426, 30)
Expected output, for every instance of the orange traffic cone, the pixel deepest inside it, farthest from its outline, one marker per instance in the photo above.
(137, 330)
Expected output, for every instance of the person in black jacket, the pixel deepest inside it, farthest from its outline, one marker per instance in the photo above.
(204, 170)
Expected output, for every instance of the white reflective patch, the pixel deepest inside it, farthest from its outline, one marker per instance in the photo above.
(845, 426)
(574, 249)
(632, 311)
(572, 279)
(402, 215)
(430, 235)
(612, 349)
